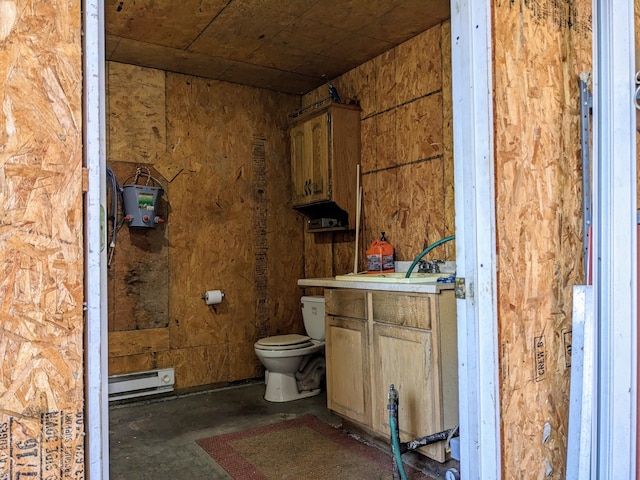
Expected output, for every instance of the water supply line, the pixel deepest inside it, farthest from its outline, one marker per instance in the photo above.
(398, 447)
(392, 406)
(427, 250)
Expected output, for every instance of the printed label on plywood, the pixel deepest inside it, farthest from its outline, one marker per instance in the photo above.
(50, 447)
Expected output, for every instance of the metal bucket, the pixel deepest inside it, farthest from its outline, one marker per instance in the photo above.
(139, 205)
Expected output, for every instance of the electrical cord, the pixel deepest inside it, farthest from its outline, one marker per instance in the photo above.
(116, 193)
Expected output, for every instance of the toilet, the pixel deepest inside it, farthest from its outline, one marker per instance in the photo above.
(294, 364)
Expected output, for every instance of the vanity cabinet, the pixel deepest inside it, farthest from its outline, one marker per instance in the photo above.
(414, 347)
(325, 150)
(409, 340)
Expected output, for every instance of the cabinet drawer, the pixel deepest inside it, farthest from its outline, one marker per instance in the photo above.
(415, 311)
(345, 303)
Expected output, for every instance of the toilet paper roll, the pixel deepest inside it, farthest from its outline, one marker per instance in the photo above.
(213, 297)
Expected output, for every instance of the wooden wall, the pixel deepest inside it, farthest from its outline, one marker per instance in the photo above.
(220, 152)
(539, 50)
(41, 247)
(407, 154)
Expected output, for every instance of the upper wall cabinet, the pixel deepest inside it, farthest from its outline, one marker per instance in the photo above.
(325, 150)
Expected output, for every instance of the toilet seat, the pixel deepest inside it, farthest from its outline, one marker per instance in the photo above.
(284, 342)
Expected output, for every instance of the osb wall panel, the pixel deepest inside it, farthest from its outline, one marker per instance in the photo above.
(138, 273)
(136, 108)
(539, 50)
(41, 252)
(230, 227)
(138, 341)
(223, 234)
(407, 153)
(449, 248)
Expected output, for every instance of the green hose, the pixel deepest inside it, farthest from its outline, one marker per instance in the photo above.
(427, 250)
(395, 441)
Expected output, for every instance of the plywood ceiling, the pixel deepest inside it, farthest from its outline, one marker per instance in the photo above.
(283, 45)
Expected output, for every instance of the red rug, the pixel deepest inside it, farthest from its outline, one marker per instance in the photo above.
(305, 448)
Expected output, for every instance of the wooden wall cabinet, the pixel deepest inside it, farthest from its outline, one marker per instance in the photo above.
(325, 150)
(409, 341)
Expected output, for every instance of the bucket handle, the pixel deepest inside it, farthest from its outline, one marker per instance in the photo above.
(142, 172)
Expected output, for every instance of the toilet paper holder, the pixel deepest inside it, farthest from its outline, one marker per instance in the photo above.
(212, 298)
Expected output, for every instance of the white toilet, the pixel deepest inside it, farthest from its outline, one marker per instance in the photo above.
(294, 363)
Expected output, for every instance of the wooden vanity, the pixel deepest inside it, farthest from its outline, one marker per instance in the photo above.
(382, 334)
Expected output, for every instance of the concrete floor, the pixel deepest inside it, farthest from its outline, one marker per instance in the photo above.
(155, 439)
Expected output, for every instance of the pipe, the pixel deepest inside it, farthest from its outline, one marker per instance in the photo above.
(392, 406)
(427, 250)
(429, 439)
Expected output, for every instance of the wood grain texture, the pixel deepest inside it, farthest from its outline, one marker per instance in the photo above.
(345, 303)
(413, 311)
(210, 237)
(393, 349)
(136, 342)
(447, 144)
(138, 275)
(406, 146)
(41, 252)
(137, 120)
(539, 218)
(421, 69)
(348, 385)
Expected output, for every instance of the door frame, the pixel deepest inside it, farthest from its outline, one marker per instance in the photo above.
(95, 331)
(473, 153)
(614, 240)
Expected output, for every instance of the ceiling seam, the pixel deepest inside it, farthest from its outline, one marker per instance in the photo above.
(209, 24)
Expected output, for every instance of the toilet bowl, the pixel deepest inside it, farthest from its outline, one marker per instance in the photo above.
(294, 364)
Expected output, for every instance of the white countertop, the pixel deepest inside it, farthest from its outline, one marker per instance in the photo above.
(331, 282)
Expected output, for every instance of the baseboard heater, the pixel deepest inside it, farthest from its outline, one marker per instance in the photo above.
(140, 384)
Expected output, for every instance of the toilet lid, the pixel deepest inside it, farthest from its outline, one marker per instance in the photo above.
(284, 342)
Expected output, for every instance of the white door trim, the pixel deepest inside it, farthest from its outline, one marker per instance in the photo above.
(475, 239)
(96, 388)
(614, 240)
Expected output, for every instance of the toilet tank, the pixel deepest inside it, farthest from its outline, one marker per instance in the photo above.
(313, 315)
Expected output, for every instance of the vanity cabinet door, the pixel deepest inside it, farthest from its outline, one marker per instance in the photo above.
(404, 357)
(347, 361)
